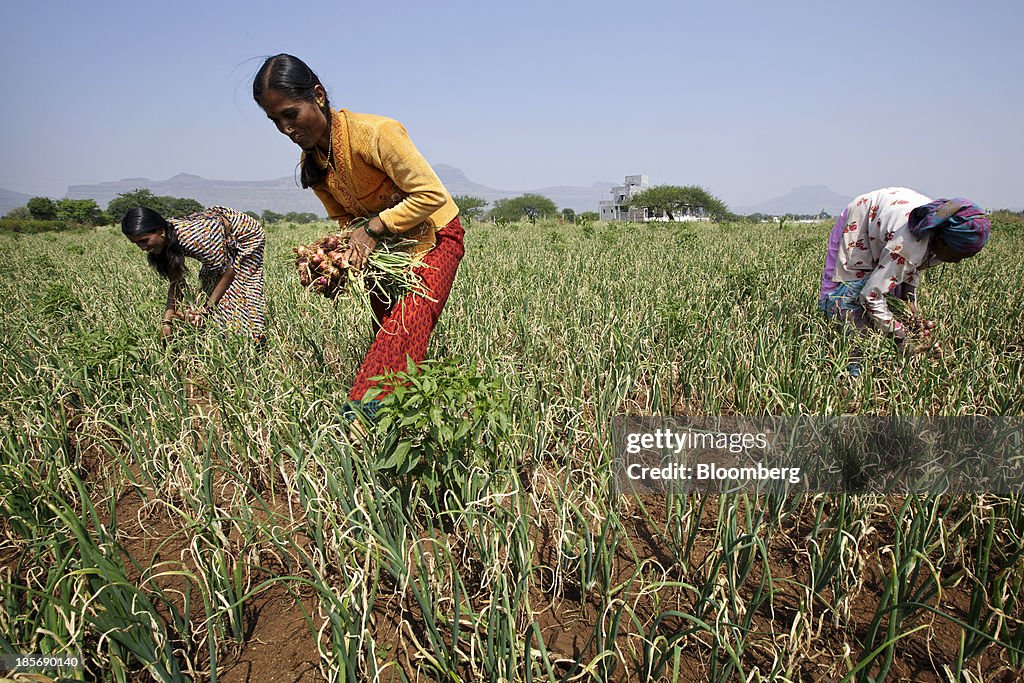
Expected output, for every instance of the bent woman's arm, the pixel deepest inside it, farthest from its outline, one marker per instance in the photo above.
(246, 235)
(222, 286)
(398, 157)
(174, 289)
(335, 211)
(892, 271)
(908, 294)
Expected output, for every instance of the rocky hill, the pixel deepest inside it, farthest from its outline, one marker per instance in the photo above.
(280, 194)
(800, 200)
(10, 200)
(284, 195)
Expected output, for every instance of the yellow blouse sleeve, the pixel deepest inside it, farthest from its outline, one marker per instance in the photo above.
(411, 173)
(335, 211)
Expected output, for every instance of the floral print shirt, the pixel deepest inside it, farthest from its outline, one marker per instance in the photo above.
(876, 246)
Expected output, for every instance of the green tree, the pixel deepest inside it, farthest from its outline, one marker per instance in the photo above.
(252, 214)
(568, 215)
(42, 208)
(140, 196)
(165, 205)
(19, 213)
(673, 199)
(272, 216)
(528, 206)
(82, 211)
(660, 199)
(470, 207)
(176, 207)
(301, 218)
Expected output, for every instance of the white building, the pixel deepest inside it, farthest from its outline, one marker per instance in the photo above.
(613, 209)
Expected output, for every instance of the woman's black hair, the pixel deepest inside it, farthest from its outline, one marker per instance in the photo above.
(291, 77)
(141, 220)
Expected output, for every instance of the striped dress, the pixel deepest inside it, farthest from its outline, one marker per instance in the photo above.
(219, 236)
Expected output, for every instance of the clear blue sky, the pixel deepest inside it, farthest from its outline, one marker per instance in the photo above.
(749, 99)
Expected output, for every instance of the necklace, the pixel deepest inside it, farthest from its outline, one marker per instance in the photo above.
(330, 151)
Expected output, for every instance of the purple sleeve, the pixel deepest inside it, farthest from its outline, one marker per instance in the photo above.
(827, 283)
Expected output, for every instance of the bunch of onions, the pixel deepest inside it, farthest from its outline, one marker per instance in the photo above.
(922, 331)
(920, 326)
(388, 275)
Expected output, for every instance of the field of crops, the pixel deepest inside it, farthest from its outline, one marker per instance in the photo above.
(198, 512)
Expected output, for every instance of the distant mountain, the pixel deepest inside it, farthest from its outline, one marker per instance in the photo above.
(457, 183)
(280, 194)
(284, 195)
(564, 196)
(800, 200)
(578, 199)
(12, 200)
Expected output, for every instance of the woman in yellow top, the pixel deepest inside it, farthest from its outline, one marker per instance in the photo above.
(363, 165)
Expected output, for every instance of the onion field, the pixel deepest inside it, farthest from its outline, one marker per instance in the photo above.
(201, 512)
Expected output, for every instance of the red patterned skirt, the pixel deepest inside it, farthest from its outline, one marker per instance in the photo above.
(403, 329)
